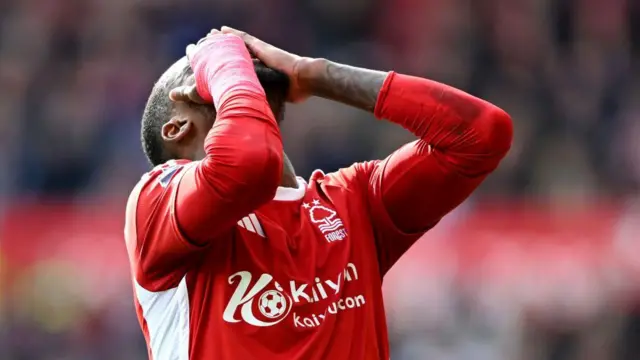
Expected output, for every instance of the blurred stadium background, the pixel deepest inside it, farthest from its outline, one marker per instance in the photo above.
(543, 263)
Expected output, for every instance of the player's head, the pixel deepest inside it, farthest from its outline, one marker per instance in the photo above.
(177, 130)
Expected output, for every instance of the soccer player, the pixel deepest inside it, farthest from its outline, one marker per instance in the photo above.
(234, 257)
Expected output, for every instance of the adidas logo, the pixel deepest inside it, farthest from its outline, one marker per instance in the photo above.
(251, 223)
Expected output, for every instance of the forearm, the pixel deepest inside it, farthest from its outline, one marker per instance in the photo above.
(244, 152)
(244, 157)
(446, 118)
(245, 140)
(462, 140)
(472, 135)
(349, 85)
(241, 172)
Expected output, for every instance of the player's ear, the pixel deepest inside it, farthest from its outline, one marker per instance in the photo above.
(176, 129)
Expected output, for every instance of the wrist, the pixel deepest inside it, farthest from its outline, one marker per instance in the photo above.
(358, 87)
(222, 64)
(310, 74)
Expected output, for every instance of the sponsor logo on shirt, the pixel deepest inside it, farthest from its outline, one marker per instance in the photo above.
(267, 302)
(327, 221)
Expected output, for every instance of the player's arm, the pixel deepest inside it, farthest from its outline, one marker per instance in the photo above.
(179, 208)
(242, 167)
(461, 139)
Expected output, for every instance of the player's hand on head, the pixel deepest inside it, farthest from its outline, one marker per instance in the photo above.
(277, 59)
(189, 93)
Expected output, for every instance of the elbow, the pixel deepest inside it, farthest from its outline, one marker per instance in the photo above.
(498, 134)
(264, 174)
(250, 174)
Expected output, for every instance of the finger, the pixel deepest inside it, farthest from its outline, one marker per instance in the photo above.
(191, 49)
(179, 94)
(230, 30)
(194, 96)
(186, 94)
(243, 35)
(256, 46)
(212, 32)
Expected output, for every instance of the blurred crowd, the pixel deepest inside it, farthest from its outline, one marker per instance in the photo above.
(76, 75)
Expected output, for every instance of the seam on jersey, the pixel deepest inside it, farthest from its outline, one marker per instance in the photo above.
(132, 229)
(167, 316)
(174, 218)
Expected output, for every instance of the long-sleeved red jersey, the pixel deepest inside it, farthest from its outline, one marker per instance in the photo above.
(226, 265)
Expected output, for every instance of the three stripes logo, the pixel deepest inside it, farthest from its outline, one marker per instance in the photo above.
(251, 223)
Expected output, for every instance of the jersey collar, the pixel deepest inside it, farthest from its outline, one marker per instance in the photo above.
(291, 194)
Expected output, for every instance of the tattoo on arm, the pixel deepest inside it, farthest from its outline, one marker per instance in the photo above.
(350, 85)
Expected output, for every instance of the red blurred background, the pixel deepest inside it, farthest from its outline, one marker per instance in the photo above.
(542, 263)
(513, 267)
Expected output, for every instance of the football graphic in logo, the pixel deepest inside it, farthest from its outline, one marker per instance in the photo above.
(273, 304)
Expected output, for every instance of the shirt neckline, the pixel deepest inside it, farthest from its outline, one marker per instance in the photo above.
(291, 194)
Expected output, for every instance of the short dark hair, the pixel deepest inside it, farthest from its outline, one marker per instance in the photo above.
(159, 109)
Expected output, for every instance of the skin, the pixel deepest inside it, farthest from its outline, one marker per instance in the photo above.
(185, 133)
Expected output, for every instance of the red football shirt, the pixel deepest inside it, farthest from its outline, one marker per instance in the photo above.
(300, 276)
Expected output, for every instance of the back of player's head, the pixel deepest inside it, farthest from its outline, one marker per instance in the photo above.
(159, 110)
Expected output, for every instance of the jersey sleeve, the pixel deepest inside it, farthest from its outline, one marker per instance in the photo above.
(461, 140)
(405, 195)
(182, 207)
(159, 252)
